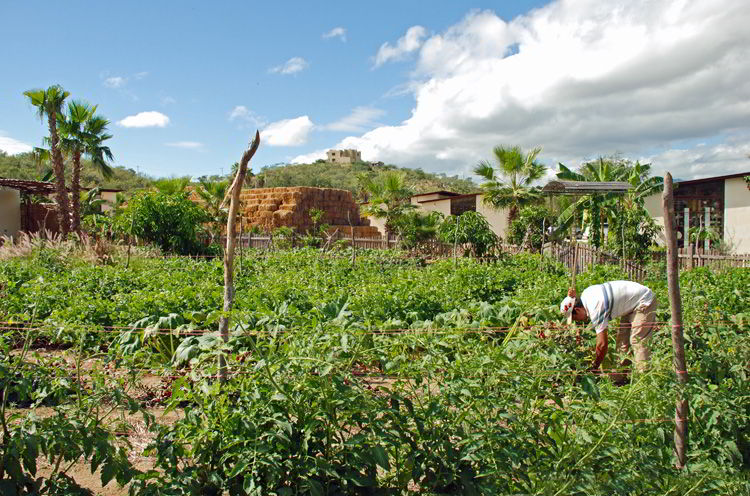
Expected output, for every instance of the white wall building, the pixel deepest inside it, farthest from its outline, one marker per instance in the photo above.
(721, 203)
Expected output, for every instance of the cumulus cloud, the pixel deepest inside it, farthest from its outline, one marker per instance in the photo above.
(145, 119)
(337, 32)
(291, 66)
(13, 146)
(287, 132)
(405, 45)
(189, 145)
(240, 113)
(360, 119)
(114, 82)
(580, 78)
(704, 160)
(309, 158)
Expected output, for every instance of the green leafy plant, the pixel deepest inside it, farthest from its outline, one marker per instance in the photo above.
(169, 220)
(471, 229)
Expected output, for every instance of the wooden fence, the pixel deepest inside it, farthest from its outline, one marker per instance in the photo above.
(690, 258)
(584, 256)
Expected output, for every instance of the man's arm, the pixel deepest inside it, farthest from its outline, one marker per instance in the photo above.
(602, 345)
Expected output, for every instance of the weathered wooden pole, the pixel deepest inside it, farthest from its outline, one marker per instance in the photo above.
(233, 195)
(678, 342)
(455, 243)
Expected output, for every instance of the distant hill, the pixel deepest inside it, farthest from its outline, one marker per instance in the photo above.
(23, 166)
(344, 176)
(319, 174)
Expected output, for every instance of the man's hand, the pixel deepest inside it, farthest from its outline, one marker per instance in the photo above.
(572, 292)
(602, 345)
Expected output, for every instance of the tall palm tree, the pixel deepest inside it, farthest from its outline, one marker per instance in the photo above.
(389, 197)
(508, 181)
(49, 103)
(83, 133)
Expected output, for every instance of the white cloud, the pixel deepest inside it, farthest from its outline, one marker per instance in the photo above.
(190, 145)
(309, 158)
(243, 114)
(699, 161)
(140, 75)
(287, 132)
(405, 45)
(115, 82)
(360, 119)
(167, 100)
(580, 78)
(13, 146)
(337, 32)
(291, 66)
(145, 119)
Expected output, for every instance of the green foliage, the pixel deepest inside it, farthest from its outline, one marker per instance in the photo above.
(416, 229)
(25, 166)
(471, 229)
(375, 378)
(324, 175)
(526, 229)
(389, 198)
(507, 182)
(169, 220)
(628, 213)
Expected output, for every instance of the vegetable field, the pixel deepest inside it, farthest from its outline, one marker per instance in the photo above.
(389, 376)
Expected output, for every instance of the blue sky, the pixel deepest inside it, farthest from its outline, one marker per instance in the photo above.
(421, 84)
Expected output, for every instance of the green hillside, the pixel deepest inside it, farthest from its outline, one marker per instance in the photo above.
(319, 174)
(325, 175)
(23, 166)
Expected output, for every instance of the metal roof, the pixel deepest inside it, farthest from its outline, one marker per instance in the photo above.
(714, 178)
(585, 187)
(38, 187)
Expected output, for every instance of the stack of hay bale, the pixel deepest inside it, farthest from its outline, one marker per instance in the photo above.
(269, 208)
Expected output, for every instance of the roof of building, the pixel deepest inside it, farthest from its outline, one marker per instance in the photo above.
(455, 196)
(585, 187)
(39, 187)
(714, 178)
(440, 192)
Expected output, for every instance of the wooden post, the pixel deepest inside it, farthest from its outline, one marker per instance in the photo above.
(242, 242)
(234, 190)
(354, 247)
(455, 243)
(678, 343)
(707, 241)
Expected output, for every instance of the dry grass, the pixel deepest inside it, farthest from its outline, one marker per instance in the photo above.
(96, 250)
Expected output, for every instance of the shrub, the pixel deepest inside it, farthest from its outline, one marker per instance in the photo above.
(472, 229)
(169, 220)
(527, 227)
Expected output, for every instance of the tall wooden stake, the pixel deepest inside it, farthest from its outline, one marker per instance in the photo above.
(234, 203)
(678, 342)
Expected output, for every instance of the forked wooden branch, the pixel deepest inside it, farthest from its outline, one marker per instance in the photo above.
(234, 195)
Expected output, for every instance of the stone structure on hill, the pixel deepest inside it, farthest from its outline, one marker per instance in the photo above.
(269, 208)
(343, 156)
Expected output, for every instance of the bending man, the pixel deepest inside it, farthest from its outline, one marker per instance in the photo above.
(634, 303)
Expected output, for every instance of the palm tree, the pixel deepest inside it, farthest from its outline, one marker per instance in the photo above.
(389, 197)
(508, 181)
(172, 185)
(49, 103)
(607, 207)
(212, 194)
(83, 132)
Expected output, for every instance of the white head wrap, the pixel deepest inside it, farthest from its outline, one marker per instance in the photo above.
(566, 306)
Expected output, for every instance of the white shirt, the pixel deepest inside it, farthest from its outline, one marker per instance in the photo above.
(604, 302)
